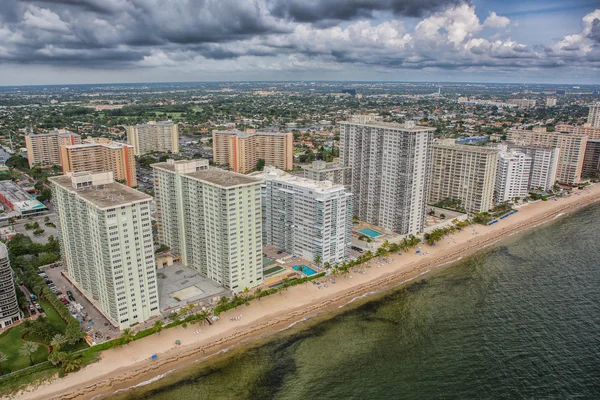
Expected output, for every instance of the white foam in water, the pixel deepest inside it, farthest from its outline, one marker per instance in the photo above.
(294, 323)
(559, 215)
(144, 383)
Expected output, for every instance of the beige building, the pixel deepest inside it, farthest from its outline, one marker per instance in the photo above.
(466, 173)
(594, 115)
(590, 132)
(242, 150)
(162, 137)
(212, 218)
(572, 150)
(523, 103)
(106, 244)
(98, 155)
(323, 171)
(43, 149)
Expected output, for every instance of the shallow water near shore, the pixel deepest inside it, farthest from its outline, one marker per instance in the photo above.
(520, 320)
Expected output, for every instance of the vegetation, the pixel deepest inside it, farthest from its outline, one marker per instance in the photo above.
(450, 204)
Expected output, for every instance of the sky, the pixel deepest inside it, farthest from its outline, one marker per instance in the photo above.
(119, 41)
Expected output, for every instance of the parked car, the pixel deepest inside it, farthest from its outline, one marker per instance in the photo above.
(37, 306)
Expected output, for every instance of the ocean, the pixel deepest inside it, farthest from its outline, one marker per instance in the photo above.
(519, 320)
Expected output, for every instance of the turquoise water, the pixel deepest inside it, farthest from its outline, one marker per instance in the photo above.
(304, 269)
(518, 321)
(370, 232)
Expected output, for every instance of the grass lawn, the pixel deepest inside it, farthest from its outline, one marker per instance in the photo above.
(52, 316)
(10, 342)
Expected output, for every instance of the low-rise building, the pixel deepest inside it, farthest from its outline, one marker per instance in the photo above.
(17, 199)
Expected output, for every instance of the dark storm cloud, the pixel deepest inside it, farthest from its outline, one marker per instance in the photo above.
(595, 31)
(344, 10)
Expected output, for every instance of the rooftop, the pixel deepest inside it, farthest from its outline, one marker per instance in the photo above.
(406, 127)
(463, 147)
(107, 195)
(243, 134)
(56, 132)
(181, 165)
(220, 177)
(110, 145)
(155, 123)
(271, 173)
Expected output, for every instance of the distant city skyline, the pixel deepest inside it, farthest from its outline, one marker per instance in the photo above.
(121, 41)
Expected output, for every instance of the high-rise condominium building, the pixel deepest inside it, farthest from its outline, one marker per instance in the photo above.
(212, 218)
(242, 150)
(550, 101)
(390, 166)
(523, 103)
(99, 155)
(590, 132)
(160, 136)
(544, 165)
(43, 149)
(466, 173)
(572, 150)
(323, 171)
(306, 218)
(106, 243)
(9, 306)
(594, 115)
(512, 176)
(591, 160)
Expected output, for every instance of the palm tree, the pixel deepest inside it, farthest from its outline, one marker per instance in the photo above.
(27, 350)
(317, 260)
(223, 301)
(71, 362)
(127, 336)
(258, 292)
(58, 341)
(157, 327)
(3, 358)
(246, 292)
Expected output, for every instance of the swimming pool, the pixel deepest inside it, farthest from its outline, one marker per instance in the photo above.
(370, 232)
(304, 269)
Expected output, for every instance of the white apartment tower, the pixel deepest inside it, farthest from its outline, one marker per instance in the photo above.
(162, 136)
(306, 218)
(594, 115)
(389, 173)
(9, 306)
(512, 176)
(320, 170)
(544, 165)
(106, 243)
(212, 218)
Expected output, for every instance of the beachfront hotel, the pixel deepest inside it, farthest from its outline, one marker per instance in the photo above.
(241, 151)
(591, 160)
(572, 150)
(512, 176)
(9, 305)
(466, 173)
(544, 165)
(162, 137)
(304, 217)
(99, 155)
(43, 149)
(389, 176)
(106, 244)
(320, 170)
(212, 218)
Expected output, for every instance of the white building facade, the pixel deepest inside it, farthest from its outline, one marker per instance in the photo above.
(544, 165)
(307, 218)
(107, 246)
(9, 306)
(512, 176)
(212, 218)
(389, 173)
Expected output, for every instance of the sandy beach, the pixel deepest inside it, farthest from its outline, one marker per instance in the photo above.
(128, 365)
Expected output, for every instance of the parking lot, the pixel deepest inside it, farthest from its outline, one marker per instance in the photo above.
(94, 322)
(42, 238)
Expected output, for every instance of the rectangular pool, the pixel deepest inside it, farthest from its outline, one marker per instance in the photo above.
(304, 269)
(370, 232)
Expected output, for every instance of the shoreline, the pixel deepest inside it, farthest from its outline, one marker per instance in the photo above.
(130, 365)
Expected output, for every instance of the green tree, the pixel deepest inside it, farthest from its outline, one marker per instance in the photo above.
(71, 362)
(127, 336)
(157, 327)
(27, 349)
(260, 164)
(317, 260)
(58, 341)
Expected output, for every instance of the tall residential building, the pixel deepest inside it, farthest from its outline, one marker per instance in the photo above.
(591, 160)
(550, 101)
(323, 171)
(162, 136)
(305, 217)
(9, 306)
(572, 150)
(594, 115)
(212, 218)
(523, 103)
(544, 165)
(590, 132)
(99, 155)
(512, 176)
(242, 150)
(43, 149)
(106, 243)
(390, 167)
(466, 173)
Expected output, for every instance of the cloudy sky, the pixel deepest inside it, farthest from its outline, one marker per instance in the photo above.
(91, 41)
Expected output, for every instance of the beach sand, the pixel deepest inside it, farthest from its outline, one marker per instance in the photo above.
(131, 364)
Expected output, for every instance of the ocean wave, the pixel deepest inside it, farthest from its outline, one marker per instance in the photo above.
(144, 383)
(294, 323)
(559, 215)
(357, 298)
